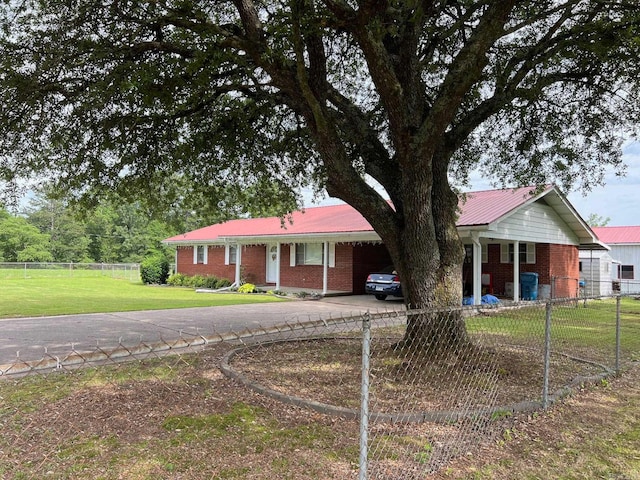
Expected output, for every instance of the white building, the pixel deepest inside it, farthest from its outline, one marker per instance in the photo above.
(625, 252)
(596, 269)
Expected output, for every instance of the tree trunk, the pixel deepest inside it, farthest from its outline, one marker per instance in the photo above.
(429, 260)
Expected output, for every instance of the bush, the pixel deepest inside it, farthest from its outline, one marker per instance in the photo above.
(197, 281)
(210, 282)
(247, 288)
(178, 280)
(154, 269)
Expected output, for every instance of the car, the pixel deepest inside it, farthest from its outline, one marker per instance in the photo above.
(383, 284)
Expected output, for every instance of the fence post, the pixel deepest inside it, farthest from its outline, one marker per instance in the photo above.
(547, 357)
(618, 301)
(364, 396)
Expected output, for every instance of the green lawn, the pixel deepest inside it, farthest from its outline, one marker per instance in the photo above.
(38, 296)
(589, 326)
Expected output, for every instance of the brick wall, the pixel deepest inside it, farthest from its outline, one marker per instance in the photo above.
(564, 266)
(253, 263)
(311, 276)
(552, 261)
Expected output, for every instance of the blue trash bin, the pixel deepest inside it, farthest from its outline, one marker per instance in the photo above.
(529, 286)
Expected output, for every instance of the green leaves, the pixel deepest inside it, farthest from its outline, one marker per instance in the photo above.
(21, 242)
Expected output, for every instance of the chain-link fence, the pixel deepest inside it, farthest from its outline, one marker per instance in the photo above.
(386, 395)
(130, 271)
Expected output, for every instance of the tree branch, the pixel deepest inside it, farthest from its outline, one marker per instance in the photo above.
(464, 72)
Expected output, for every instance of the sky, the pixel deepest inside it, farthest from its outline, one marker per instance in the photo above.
(617, 200)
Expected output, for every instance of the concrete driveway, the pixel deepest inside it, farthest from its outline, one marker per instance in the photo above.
(27, 339)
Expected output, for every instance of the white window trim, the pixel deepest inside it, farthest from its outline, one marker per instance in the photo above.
(505, 256)
(332, 254)
(485, 252)
(504, 253)
(292, 255)
(205, 254)
(531, 253)
(227, 254)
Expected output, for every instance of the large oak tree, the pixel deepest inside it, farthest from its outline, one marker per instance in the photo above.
(119, 94)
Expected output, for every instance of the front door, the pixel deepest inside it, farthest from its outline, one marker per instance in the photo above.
(272, 263)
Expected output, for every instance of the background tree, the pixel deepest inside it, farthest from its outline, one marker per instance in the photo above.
(68, 241)
(596, 220)
(22, 242)
(121, 95)
(113, 232)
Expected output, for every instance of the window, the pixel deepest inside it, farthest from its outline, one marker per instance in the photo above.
(200, 254)
(484, 253)
(579, 266)
(230, 254)
(309, 253)
(526, 253)
(626, 272)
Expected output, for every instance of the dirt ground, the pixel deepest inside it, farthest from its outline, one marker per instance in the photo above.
(180, 418)
(594, 434)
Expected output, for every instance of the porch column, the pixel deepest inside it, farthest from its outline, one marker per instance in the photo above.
(477, 270)
(278, 266)
(238, 263)
(516, 271)
(325, 268)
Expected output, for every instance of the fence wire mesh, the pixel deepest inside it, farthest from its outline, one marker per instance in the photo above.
(12, 270)
(284, 401)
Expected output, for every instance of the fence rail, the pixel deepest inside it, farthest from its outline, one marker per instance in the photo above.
(408, 409)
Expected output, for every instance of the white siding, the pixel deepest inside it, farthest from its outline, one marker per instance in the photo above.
(536, 223)
(596, 272)
(627, 255)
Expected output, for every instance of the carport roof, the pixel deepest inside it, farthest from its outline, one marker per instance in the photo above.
(343, 221)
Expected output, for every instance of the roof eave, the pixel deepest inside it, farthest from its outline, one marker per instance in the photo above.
(365, 236)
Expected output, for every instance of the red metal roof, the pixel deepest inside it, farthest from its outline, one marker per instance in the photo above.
(613, 235)
(485, 207)
(315, 220)
(478, 208)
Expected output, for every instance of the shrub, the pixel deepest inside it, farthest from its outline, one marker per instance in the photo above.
(197, 281)
(210, 282)
(154, 269)
(247, 288)
(178, 280)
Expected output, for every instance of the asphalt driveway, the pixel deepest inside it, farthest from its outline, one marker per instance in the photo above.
(27, 339)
